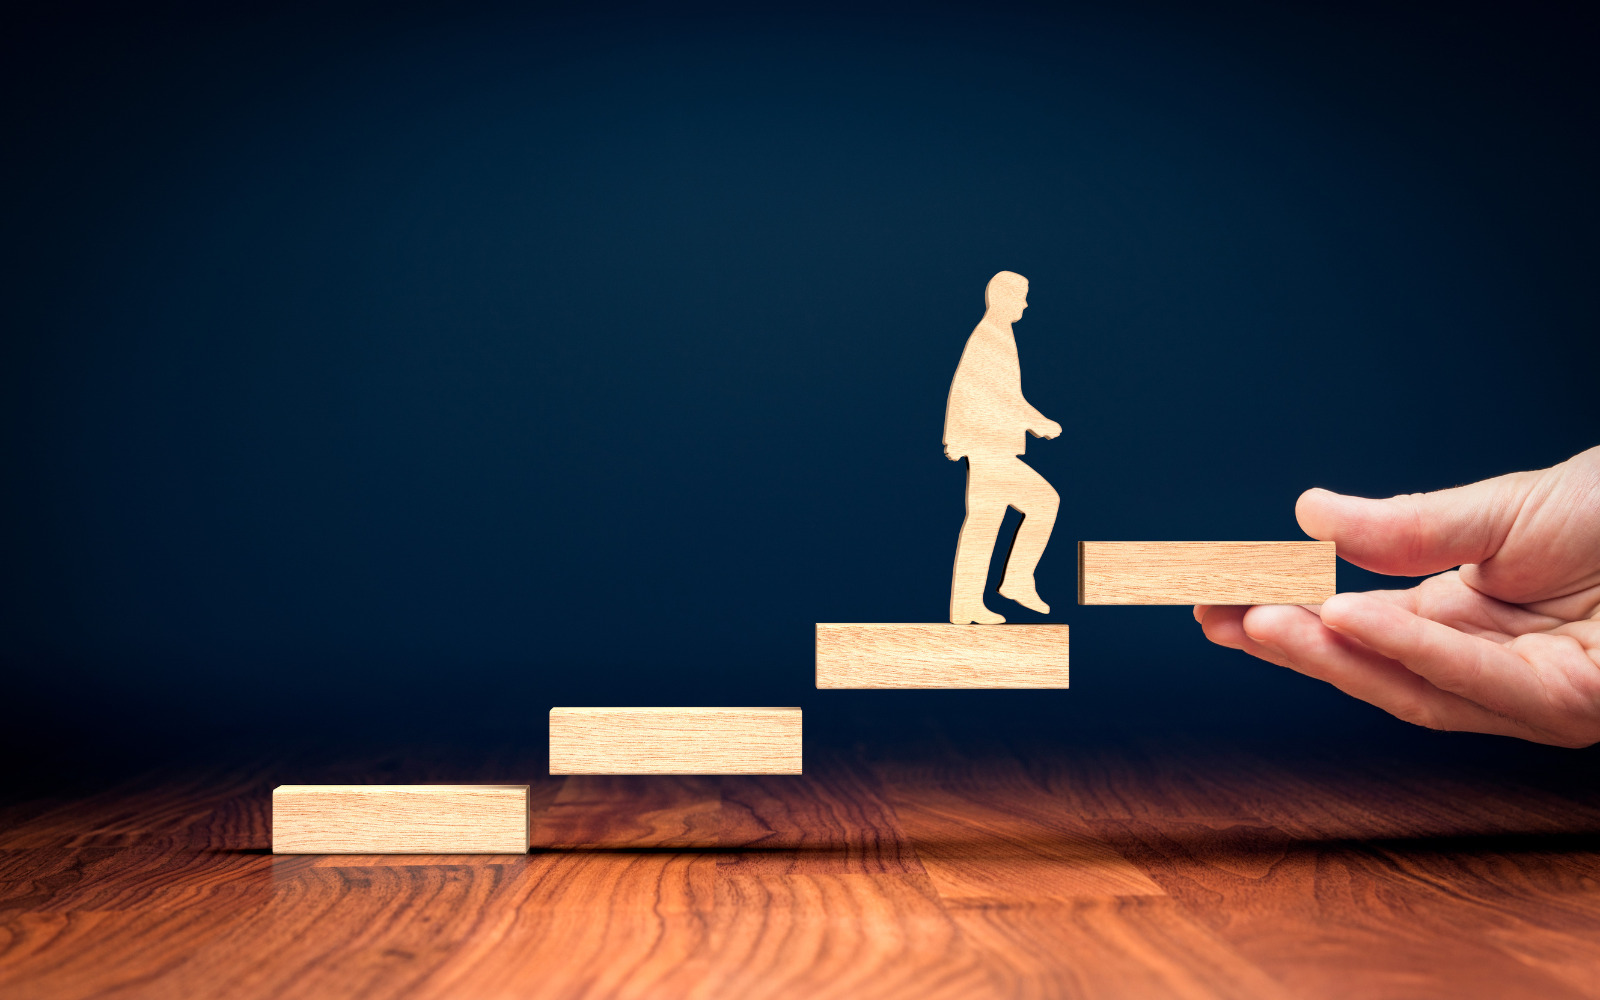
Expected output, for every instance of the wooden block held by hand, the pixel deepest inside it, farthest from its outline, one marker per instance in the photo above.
(675, 741)
(1206, 572)
(884, 655)
(400, 819)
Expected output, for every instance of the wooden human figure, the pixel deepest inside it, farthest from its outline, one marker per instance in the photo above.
(984, 422)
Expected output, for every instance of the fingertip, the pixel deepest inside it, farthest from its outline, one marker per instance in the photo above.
(1342, 611)
(1264, 623)
(1317, 513)
(1335, 608)
(1222, 626)
(1200, 612)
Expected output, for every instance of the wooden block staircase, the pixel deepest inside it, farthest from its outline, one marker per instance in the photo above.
(986, 421)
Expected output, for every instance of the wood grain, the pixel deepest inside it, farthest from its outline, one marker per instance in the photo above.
(937, 655)
(400, 819)
(1141, 946)
(675, 741)
(639, 812)
(1005, 868)
(1206, 572)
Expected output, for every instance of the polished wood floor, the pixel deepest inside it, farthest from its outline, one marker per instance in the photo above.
(933, 869)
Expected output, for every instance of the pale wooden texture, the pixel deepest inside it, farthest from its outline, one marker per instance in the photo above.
(675, 741)
(400, 819)
(987, 421)
(938, 655)
(1205, 572)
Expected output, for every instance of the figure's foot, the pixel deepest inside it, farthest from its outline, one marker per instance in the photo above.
(975, 614)
(1025, 594)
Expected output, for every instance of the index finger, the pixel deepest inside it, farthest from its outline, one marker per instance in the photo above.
(1478, 669)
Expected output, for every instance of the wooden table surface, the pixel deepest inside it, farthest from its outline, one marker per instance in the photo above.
(930, 869)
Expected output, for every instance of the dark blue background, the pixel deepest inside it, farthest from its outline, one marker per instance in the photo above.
(409, 370)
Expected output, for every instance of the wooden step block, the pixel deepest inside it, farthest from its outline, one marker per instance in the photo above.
(400, 819)
(940, 655)
(675, 741)
(1206, 572)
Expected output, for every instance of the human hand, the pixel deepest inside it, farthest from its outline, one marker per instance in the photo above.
(1507, 644)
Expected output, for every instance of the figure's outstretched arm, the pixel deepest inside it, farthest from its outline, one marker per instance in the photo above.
(1037, 424)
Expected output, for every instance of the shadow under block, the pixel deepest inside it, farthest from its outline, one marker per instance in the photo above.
(940, 655)
(1206, 572)
(675, 741)
(400, 819)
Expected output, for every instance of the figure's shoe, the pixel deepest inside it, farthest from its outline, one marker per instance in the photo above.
(976, 614)
(1025, 594)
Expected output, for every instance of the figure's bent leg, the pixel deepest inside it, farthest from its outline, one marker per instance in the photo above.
(1038, 502)
(974, 548)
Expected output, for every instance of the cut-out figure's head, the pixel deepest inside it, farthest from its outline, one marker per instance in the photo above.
(1006, 297)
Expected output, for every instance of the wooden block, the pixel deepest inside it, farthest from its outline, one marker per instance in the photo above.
(1205, 572)
(675, 741)
(400, 819)
(879, 655)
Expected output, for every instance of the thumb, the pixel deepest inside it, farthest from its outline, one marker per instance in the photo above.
(1420, 533)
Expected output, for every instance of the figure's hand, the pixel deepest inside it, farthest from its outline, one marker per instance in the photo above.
(1508, 644)
(953, 453)
(1047, 429)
